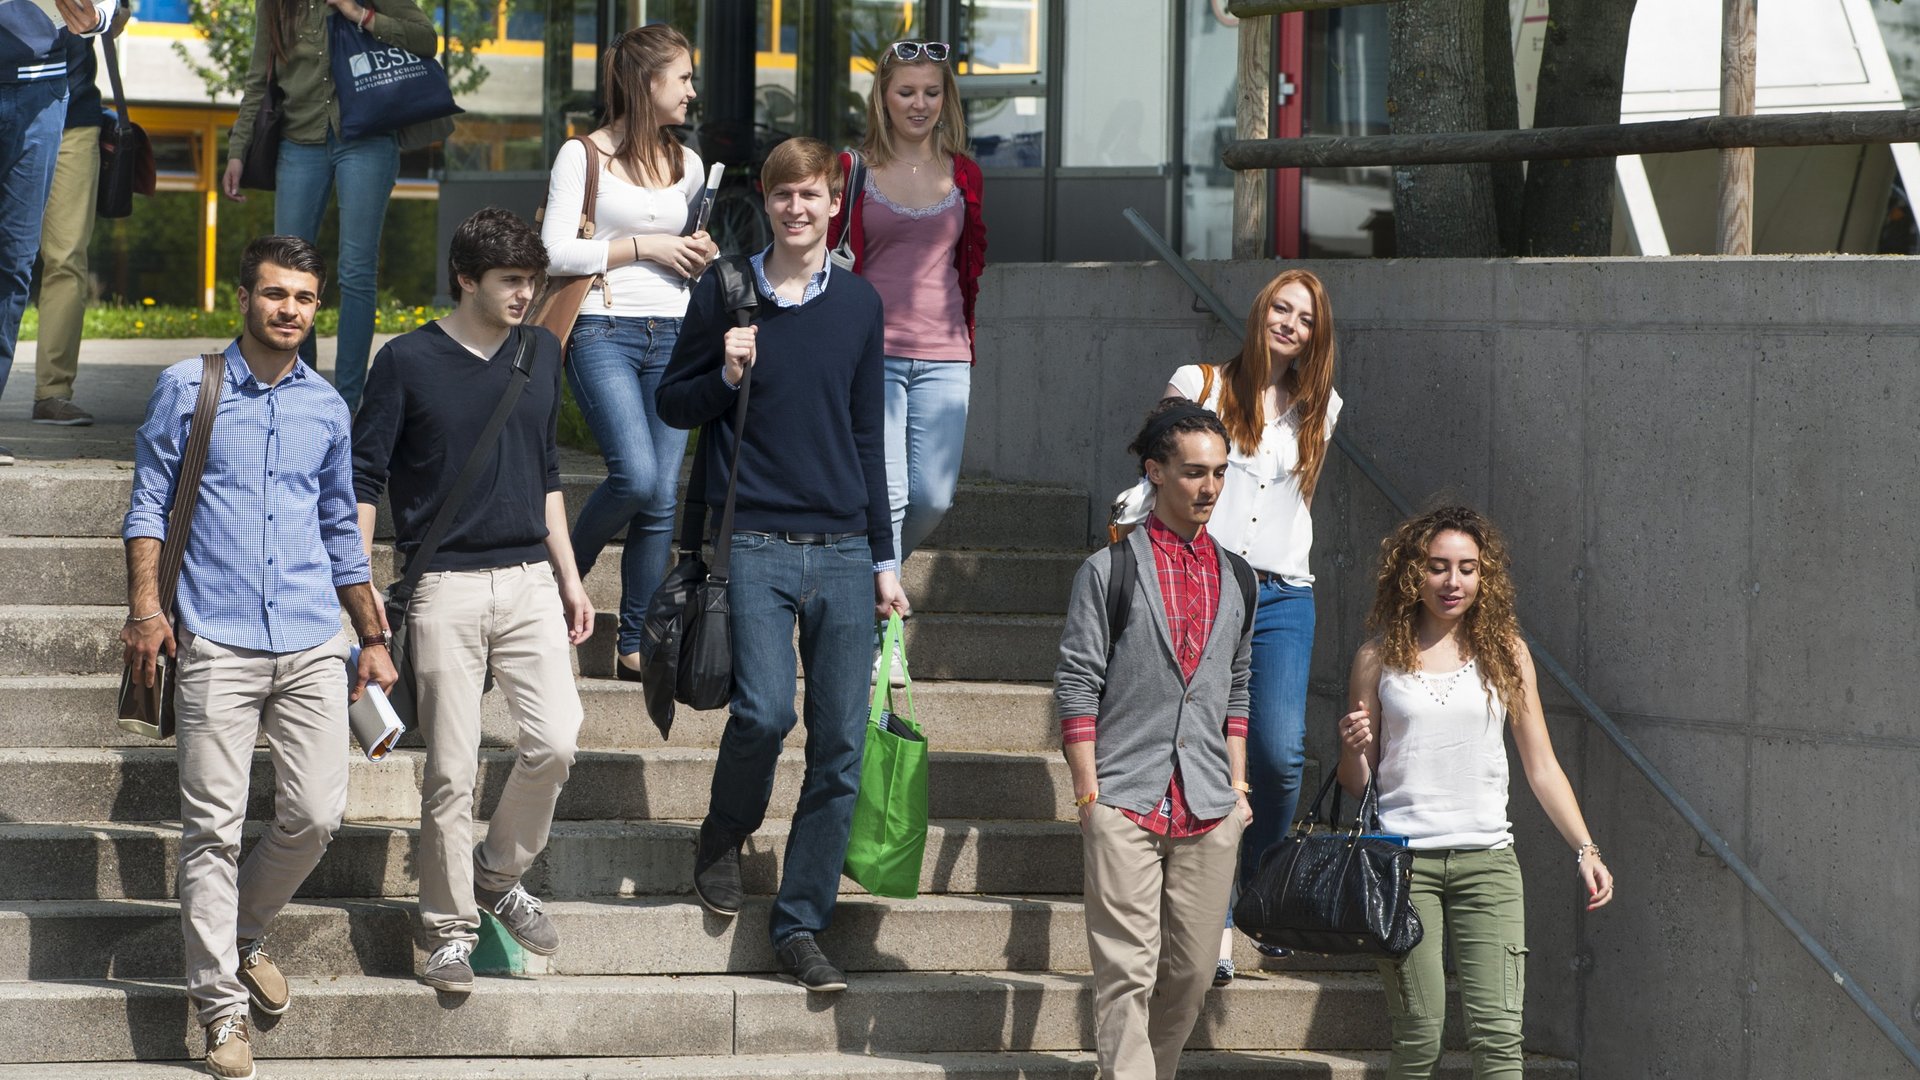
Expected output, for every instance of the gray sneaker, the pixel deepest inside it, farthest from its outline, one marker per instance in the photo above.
(6, 456)
(61, 411)
(523, 916)
(450, 969)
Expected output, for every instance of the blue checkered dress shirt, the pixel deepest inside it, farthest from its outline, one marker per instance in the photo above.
(275, 532)
(816, 284)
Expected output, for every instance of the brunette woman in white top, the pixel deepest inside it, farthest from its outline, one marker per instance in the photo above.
(631, 317)
(1434, 694)
(1279, 406)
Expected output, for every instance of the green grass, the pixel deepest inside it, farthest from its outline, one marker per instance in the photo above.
(159, 322)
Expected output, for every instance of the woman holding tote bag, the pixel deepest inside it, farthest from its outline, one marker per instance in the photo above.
(290, 46)
(642, 270)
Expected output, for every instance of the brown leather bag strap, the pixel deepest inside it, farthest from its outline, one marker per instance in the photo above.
(186, 485)
(591, 202)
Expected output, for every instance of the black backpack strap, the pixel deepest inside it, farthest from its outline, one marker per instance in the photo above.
(1121, 578)
(470, 472)
(1249, 587)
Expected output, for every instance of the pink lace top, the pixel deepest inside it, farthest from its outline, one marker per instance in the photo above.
(909, 260)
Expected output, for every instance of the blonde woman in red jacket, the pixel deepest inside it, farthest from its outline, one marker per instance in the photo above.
(916, 233)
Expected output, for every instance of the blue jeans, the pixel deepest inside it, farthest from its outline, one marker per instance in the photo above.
(363, 172)
(926, 431)
(828, 590)
(614, 366)
(31, 116)
(1277, 730)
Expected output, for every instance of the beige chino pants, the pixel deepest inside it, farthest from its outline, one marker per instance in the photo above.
(459, 625)
(1154, 907)
(226, 696)
(65, 230)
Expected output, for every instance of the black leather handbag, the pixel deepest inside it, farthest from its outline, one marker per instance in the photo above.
(688, 640)
(1325, 889)
(126, 157)
(260, 168)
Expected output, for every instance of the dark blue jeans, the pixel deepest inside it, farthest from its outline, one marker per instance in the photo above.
(614, 366)
(31, 116)
(828, 591)
(1277, 730)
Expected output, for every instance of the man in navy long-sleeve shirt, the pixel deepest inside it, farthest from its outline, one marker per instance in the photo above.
(33, 106)
(813, 542)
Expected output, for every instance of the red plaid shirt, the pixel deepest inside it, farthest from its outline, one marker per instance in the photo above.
(1190, 592)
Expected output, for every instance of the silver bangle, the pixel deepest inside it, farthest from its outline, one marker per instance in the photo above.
(1580, 853)
(144, 618)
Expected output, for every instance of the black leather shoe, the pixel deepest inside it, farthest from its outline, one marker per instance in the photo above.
(716, 870)
(805, 964)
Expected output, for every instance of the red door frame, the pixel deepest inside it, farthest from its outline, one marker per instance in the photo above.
(1289, 122)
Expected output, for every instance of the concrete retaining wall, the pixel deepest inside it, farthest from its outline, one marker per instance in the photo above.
(1707, 470)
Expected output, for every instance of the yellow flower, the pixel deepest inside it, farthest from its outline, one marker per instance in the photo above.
(147, 301)
(419, 310)
(138, 325)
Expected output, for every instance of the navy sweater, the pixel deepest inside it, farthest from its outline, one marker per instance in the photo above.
(427, 401)
(813, 459)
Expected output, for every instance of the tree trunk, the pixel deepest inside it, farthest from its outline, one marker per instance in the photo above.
(1503, 114)
(1436, 82)
(1569, 204)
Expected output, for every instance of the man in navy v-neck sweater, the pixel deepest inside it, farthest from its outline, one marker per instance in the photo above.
(813, 543)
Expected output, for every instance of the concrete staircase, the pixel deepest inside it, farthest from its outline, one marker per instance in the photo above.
(982, 977)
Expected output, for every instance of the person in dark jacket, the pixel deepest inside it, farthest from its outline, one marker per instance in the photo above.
(33, 101)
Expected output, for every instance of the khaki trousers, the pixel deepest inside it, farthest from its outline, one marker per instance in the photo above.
(226, 696)
(65, 232)
(1154, 908)
(459, 625)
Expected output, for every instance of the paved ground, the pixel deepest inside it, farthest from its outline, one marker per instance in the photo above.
(116, 377)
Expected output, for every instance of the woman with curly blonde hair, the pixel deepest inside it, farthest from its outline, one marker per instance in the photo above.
(1433, 692)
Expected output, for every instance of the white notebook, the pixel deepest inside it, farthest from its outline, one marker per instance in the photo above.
(376, 727)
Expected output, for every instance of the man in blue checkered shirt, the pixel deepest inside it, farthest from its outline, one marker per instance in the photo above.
(272, 555)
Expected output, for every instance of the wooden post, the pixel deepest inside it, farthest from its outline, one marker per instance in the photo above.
(1253, 120)
(1737, 64)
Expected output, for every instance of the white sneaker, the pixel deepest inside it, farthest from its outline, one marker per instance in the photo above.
(897, 675)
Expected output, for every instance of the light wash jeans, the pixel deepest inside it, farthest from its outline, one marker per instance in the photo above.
(926, 431)
(363, 172)
(1277, 721)
(828, 591)
(614, 366)
(31, 114)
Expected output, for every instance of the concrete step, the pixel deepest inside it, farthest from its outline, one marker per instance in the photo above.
(92, 570)
(78, 710)
(91, 500)
(363, 1016)
(1061, 1065)
(50, 639)
(140, 939)
(137, 860)
(142, 784)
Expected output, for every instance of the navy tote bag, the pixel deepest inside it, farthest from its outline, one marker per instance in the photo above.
(383, 88)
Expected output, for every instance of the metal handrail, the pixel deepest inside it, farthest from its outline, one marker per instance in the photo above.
(1546, 661)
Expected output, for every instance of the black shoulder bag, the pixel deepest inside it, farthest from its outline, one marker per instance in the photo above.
(688, 640)
(126, 157)
(401, 697)
(1330, 890)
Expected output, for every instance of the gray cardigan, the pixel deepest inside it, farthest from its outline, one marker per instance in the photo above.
(1148, 717)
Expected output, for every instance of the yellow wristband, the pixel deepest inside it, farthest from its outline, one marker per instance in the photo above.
(1085, 799)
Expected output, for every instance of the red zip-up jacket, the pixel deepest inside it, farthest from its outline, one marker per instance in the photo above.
(969, 257)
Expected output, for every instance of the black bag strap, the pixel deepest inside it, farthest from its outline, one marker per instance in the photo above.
(193, 465)
(470, 472)
(1121, 575)
(120, 121)
(734, 275)
(1366, 814)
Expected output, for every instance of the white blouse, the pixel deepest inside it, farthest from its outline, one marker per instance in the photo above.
(1443, 760)
(621, 211)
(1261, 516)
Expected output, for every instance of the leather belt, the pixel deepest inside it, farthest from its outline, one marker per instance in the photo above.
(803, 537)
(1266, 578)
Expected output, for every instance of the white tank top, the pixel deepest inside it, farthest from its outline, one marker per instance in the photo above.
(1443, 760)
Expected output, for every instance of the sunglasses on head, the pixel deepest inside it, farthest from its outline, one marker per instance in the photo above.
(908, 51)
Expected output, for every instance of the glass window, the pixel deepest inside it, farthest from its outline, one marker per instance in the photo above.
(1116, 75)
(1347, 212)
(1003, 37)
(1008, 132)
(1212, 96)
(527, 20)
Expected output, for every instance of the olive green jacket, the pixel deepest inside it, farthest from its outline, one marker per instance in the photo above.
(306, 75)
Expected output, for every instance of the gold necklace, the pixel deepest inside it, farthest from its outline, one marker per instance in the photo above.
(915, 166)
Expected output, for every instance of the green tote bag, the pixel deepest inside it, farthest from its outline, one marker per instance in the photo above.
(889, 836)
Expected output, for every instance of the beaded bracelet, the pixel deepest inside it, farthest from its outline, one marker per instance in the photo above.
(1580, 853)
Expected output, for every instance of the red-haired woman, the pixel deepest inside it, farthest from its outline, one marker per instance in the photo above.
(630, 318)
(1277, 401)
(916, 233)
(1433, 696)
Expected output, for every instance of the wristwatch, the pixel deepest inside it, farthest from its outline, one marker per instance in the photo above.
(368, 641)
